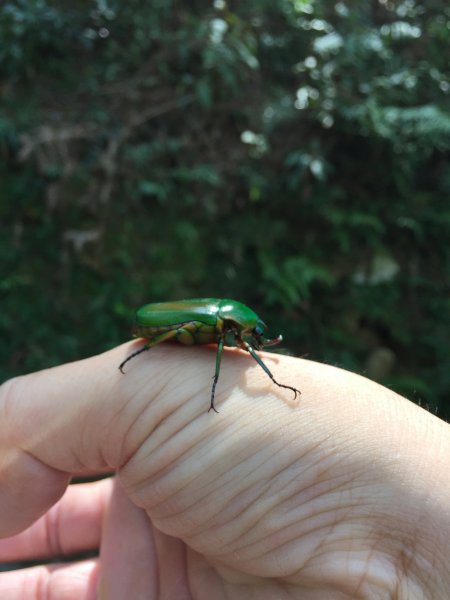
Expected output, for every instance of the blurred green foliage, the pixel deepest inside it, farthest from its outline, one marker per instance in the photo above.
(286, 153)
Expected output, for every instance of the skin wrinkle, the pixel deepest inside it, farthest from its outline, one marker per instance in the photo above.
(187, 508)
(371, 560)
(167, 429)
(264, 540)
(322, 541)
(263, 452)
(189, 418)
(408, 569)
(137, 395)
(230, 474)
(210, 484)
(254, 522)
(250, 557)
(212, 523)
(184, 425)
(85, 444)
(251, 525)
(324, 531)
(163, 411)
(266, 491)
(242, 514)
(53, 530)
(161, 420)
(352, 584)
(430, 508)
(315, 490)
(27, 444)
(41, 582)
(36, 459)
(303, 472)
(16, 488)
(395, 532)
(294, 513)
(170, 441)
(405, 561)
(175, 579)
(364, 576)
(105, 461)
(203, 526)
(42, 586)
(12, 392)
(190, 483)
(226, 471)
(157, 546)
(432, 565)
(126, 455)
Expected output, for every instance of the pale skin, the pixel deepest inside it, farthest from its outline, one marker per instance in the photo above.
(342, 494)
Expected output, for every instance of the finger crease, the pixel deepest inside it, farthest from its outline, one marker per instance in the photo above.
(53, 531)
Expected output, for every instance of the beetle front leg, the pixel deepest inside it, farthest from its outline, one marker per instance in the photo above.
(216, 374)
(246, 346)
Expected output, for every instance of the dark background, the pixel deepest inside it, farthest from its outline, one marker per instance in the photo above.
(287, 154)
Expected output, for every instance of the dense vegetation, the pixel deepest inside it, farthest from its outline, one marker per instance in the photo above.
(287, 153)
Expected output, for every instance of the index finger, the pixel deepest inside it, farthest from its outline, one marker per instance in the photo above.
(87, 415)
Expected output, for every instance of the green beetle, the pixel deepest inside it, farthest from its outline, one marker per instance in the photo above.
(204, 321)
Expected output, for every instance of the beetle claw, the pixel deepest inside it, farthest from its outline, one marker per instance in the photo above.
(288, 387)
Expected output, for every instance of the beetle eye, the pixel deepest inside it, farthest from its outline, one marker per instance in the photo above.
(258, 331)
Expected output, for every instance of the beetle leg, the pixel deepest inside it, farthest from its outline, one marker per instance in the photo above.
(159, 338)
(220, 345)
(246, 346)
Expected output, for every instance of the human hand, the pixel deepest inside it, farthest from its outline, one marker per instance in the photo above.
(344, 495)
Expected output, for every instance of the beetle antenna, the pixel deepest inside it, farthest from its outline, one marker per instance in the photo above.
(143, 349)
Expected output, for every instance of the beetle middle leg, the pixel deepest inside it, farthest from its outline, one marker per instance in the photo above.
(220, 345)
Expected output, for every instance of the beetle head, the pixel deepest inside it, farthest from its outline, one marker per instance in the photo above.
(257, 337)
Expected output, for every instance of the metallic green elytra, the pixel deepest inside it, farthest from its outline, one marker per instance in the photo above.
(204, 321)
